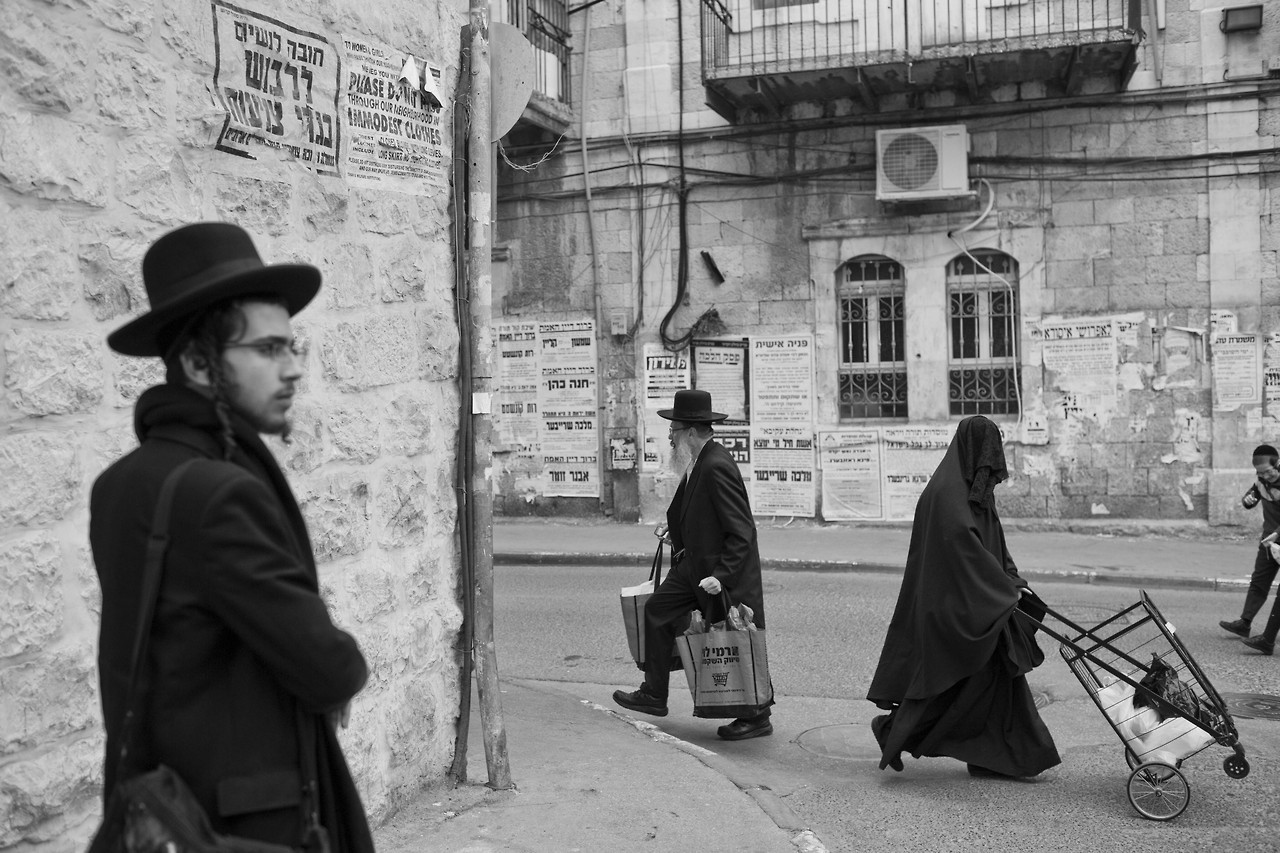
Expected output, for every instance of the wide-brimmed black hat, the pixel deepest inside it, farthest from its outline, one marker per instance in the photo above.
(195, 266)
(692, 406)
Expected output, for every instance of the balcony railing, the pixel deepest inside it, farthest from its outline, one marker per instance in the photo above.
(763, 37)
(546, 24)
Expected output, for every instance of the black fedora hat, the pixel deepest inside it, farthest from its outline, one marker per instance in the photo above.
(692, 406)
(194, 266)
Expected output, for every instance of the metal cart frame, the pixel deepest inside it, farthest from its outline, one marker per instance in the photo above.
(1111, 653)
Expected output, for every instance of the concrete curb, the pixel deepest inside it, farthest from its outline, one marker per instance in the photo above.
(802, 838)
(545, 558)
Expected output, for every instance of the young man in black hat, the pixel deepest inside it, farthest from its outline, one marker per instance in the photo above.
(1265, 491)
(248, 674)
(713, 540)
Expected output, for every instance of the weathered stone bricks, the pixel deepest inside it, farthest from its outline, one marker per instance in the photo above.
(44, 796)
(44, 63)
(42, 477)
(49, 696)
(38, 276)
(51, 158)
(378, 351)
(129, 89)
(31, 588)
(353, 433)
(336, 508)
(52, 373)
(402, 498)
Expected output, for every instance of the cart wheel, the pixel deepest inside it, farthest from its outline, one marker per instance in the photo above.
(1236, 766)
(1158, 791)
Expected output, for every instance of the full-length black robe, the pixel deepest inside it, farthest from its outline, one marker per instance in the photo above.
(955, 658)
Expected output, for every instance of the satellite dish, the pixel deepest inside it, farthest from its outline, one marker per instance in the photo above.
(511, 75)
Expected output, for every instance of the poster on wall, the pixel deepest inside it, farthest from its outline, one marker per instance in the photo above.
(721, 369)
(279, 86)
(782, 470)
(909, 455)
(568, 409)
(1082, 354)
(394, 139)
(517, 420)
(1271, 376)
(1237, 370)
(782, 379)
(665, 373)
(782, 458)
(851, 478)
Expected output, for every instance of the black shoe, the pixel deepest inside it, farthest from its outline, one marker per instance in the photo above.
(1239, 627)
(741, 729)
(880, 728)
(641, 701)
(1261, 644)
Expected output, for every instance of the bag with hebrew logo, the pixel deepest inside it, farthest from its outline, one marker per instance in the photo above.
(727, 666)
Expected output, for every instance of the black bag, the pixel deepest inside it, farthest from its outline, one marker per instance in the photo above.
(155, 811)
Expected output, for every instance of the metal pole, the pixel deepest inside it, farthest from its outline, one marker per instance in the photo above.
(480, 276)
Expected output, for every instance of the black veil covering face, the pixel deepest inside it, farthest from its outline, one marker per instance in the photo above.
(955, 656)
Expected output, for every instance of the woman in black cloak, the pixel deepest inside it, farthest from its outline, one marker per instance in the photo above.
(952, 673)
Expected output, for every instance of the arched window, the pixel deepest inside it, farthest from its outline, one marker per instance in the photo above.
(982, 295)
(873, 367)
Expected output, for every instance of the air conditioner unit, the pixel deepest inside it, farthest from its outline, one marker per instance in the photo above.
(922, 162)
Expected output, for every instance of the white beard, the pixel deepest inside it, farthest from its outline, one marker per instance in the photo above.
(681, 457)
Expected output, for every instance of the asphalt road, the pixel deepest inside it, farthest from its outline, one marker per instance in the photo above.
(562, 625)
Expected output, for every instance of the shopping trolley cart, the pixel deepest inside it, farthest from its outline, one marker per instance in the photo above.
(1156, 698)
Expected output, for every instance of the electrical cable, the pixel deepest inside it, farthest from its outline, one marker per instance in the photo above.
(1016, 331)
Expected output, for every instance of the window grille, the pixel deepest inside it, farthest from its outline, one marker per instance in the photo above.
(873, 366)
(983, 366)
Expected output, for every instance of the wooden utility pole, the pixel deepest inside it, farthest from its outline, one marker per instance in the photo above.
(479, 211)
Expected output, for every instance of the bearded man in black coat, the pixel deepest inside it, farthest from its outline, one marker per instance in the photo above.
(247, 673)
(714, 547)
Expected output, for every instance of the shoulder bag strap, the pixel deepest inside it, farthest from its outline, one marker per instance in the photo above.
(153, 568)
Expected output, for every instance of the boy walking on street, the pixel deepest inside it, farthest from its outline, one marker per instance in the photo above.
(1266, 491)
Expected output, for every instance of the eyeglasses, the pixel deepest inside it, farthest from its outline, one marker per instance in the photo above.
(677, 429)
(275, 349)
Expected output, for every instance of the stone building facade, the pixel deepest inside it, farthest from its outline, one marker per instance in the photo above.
(1146, 212)
(114, 130)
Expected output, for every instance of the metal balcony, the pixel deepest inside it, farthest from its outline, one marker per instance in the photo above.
(768, 55)
(545, 24)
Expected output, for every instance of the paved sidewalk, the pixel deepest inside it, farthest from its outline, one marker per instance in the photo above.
(590, 778)
(1147, 554)
(594, 778)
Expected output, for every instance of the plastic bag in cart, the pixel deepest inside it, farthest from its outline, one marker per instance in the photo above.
(1151, 738)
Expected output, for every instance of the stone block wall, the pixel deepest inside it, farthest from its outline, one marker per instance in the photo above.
(1126, 199)
(106, 142)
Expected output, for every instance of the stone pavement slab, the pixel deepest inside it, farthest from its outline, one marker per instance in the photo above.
(586, 780)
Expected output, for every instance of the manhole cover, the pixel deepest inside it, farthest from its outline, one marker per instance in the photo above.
(1253, 706)
(847, 742)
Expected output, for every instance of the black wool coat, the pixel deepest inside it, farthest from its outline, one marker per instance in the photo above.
(244, 661)
(710, 520)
